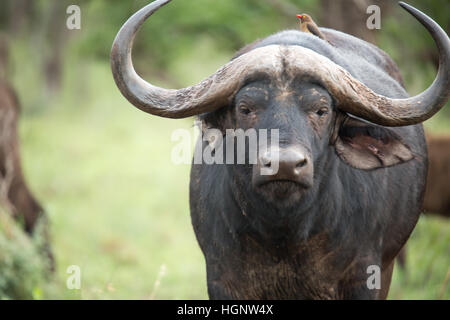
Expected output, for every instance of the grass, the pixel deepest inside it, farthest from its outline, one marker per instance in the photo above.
(22, 264)
(119, 208)
(428, 263)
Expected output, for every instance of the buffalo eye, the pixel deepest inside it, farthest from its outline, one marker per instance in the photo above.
(322, 111)
(244, 109)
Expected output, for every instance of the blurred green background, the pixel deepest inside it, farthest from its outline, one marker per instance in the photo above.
(118, 207)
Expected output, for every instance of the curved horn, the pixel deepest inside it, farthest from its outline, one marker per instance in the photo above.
(210, 94)
(217, 90)
(363, 102)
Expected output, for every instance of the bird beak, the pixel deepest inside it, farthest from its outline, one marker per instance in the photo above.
(300, 16)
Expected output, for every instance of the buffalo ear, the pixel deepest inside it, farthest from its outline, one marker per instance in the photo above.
(219, 119)
(366, 146)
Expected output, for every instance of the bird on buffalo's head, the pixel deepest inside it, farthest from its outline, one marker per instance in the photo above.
(308, 25)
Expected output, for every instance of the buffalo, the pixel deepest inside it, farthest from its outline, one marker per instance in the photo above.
(15, 196)
(351, 154)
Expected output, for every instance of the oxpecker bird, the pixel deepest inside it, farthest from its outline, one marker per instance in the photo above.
(308, 25)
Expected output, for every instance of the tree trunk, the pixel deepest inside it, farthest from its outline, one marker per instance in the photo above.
(350, 16)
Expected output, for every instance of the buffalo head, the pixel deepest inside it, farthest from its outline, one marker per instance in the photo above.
(314, 102)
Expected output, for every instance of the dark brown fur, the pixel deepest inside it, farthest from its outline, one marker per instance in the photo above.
(15, 196)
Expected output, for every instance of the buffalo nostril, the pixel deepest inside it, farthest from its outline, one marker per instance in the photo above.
(267, 164)
(266, 160)
(301, 163)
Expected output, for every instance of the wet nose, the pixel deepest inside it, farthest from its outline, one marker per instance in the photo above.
(289, 161)
(291, 164)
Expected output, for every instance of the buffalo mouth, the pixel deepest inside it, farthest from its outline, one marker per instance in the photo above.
(282, 190)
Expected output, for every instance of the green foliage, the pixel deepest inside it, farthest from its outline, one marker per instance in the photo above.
(427, 273)
(23, 266)
(411, 46)
(177, 28)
